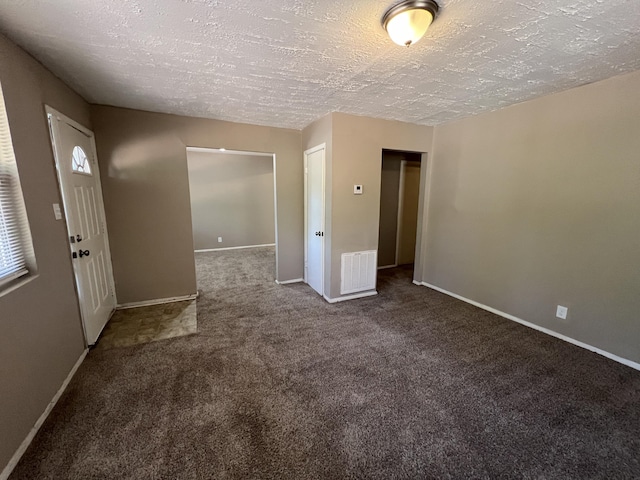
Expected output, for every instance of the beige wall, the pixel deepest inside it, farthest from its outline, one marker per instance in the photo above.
(40, 327)
(538, 204)
(145, 183)
(231, 197)
(357, 159)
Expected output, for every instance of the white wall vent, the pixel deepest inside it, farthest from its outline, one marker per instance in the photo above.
(358, 271)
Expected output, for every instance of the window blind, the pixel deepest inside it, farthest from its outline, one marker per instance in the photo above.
(13, 221)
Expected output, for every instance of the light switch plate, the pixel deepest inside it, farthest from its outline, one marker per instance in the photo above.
(56, 211)
(357, 189)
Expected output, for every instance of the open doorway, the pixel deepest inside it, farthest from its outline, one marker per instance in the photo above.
(233, 216)
(399, 204)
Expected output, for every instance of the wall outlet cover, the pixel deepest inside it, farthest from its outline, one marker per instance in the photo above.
(357, 189)
(219, 239)
(56, 211)
(561, 312)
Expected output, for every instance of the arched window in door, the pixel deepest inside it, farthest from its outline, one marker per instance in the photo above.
(80, 162)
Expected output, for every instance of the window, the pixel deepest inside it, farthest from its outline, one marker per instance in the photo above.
(80, 162)
(16, 249)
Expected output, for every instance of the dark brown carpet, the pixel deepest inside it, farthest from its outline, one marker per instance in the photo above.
(280, 384)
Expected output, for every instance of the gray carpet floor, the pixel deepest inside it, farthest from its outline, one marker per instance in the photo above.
(280, 384)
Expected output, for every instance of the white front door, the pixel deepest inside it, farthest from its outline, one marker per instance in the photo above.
(314, 218)
(79, 177)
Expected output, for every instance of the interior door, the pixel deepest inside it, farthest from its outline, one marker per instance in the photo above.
(314, 218)
(79, 177)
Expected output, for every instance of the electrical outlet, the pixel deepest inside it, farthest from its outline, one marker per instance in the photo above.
(219, 239)
(561, 312)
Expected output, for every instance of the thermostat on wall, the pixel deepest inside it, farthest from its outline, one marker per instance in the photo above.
(357, 189)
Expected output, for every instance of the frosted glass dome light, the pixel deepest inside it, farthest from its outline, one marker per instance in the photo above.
(408, 21)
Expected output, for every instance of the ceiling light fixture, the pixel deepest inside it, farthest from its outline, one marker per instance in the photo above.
(407, 21)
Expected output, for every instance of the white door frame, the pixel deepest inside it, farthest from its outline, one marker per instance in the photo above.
(424, 195)
(308, 152)
(51, 112)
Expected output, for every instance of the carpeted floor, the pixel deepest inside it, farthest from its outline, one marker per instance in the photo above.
(279, 384)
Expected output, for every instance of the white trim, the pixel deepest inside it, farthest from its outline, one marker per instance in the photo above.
(228, 152)
(350, 297)
(305, 228)
(573, 341)
(275, 215)
(157, 301)
(287, 282)
(4, 475)
(316, 148)
(426, 168)
(53, 112)
(234, 248)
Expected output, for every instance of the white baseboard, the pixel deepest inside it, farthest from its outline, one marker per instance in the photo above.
(234, 248)
(157, 301)
(384, 267)
(4, 475)
(287, 282)
(573, 341)
(350, 297)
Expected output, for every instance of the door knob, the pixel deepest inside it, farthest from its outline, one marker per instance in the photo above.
(84, 253)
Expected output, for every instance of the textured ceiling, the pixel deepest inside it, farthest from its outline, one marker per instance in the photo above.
(288, 62)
